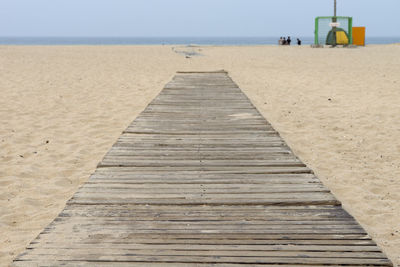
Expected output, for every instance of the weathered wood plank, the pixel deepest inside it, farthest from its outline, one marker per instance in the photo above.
(104, 255)
(161, 264)
(208, 169)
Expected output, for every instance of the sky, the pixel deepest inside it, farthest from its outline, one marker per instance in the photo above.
(194, 18)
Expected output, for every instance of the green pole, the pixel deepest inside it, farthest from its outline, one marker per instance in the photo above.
(351, 30)
(316, 31)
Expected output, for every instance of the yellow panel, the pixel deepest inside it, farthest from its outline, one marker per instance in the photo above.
(359, 36)
(341, 38)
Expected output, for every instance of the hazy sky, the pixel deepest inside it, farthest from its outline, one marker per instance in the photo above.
(189, 17)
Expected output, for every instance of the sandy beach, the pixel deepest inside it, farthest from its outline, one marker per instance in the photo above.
(62, 107)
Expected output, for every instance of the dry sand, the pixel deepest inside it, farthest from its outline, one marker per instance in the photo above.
(61, 109)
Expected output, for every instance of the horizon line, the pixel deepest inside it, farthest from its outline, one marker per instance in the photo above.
(270, 36)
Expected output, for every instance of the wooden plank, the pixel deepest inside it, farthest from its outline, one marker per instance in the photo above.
(208, 169)
(198, 72)
(185, 258)
(160, 264)
(130, 254)
(239, 238)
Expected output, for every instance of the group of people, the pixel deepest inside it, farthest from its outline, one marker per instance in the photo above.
(284, 41)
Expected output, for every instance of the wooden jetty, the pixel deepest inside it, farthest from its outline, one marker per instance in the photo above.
(200, 178)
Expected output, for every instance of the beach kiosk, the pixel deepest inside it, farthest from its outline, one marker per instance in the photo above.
(333, 31)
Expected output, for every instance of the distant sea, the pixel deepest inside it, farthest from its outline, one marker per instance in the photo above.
(167, 40)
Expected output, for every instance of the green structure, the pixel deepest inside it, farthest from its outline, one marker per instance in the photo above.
(333, 30)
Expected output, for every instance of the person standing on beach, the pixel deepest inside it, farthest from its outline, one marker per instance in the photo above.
(298, 41)
(280, 42)
(288, 40)
(284, 41)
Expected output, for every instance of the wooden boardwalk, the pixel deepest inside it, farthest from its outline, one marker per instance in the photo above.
(200, 178)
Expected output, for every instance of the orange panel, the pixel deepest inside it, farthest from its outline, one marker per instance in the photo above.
(359, 36)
